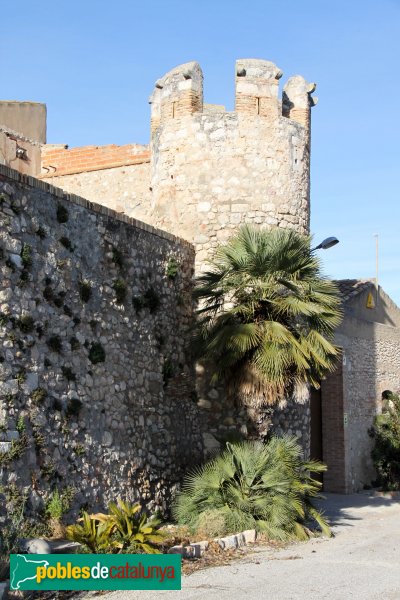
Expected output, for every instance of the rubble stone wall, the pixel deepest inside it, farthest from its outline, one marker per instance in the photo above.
(96, 387)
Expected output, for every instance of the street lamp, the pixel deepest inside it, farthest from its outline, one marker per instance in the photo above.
(326, 243)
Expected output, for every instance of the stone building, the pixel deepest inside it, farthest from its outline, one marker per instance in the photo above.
(22, 135)
(343, 411)
(205, 172)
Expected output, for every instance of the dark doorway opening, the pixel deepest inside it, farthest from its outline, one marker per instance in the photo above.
(316, 428)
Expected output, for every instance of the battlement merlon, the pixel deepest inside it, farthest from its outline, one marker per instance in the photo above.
(178, 93)
(257, 87)
(297, 100)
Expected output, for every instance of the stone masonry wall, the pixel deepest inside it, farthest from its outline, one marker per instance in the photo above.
(212, 171)
(96, 388)
(123, 189)
(371, 364)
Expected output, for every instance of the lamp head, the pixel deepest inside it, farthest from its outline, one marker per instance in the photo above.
(327, 243)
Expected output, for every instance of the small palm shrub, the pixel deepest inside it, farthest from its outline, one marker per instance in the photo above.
(124, 529)
(267, 487)
(386, 453)
(94, 535)
(133, 529)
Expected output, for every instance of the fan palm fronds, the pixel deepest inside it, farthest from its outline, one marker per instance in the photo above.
(253, 485)
(267, 315)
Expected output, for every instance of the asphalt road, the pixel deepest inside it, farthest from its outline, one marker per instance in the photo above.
(362, 562)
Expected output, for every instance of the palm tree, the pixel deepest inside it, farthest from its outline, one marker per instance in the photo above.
(267, 316)
(252, 485)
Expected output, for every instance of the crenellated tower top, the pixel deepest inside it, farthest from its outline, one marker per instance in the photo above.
(213, 169)
(180, 93)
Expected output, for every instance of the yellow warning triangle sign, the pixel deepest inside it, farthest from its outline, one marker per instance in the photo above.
(370, 301)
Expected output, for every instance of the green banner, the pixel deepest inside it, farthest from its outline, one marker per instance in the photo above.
(95, 572)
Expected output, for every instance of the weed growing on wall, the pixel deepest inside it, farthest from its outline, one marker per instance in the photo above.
(172, 268)
(96, 353)
(120, 289)
(117, 257)
(25, 323)
(66, 242)
(17, 449)
(68, 373)
(74, 407)
(39, 395)
(85, 290)
(26, 256)
(41, 232)
(168, 371)
(54, 343)
(150, 299)
(15, 208)
(62, 214)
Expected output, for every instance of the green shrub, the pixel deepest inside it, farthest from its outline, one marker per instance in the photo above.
(138, 303)
(54, 506)
(26, 256)
(386, 453)
(96, 353)
(117, 257)
(80, 450)
(73, 407)
(66, 242)
(150, 300)
(168, 370)
(20, 426)
(67, 310)
(21, 376)
(10, 535)
(25, 323)
(16, 450)
(172, 268)
(15, 208)
(68, 373)
(94, 535)
(93, 324)
(54, 343)
(41, 232)
(38, 438)
(61, 263)
(48, 293)
(124, 528)
(62, 214)
(132, 528)
(39, 395)
(3, 319)
(85, 290)
(59, 503)
(74, 343)
(48, 469)
(254, 486)
(120, 290)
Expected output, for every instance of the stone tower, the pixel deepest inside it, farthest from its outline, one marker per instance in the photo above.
(212, 170)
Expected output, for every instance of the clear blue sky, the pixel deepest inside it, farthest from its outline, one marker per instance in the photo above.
(94, 64)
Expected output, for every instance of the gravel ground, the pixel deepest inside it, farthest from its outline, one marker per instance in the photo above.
(361, 562)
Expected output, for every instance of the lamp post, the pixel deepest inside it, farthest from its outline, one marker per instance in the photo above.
(326, 243)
